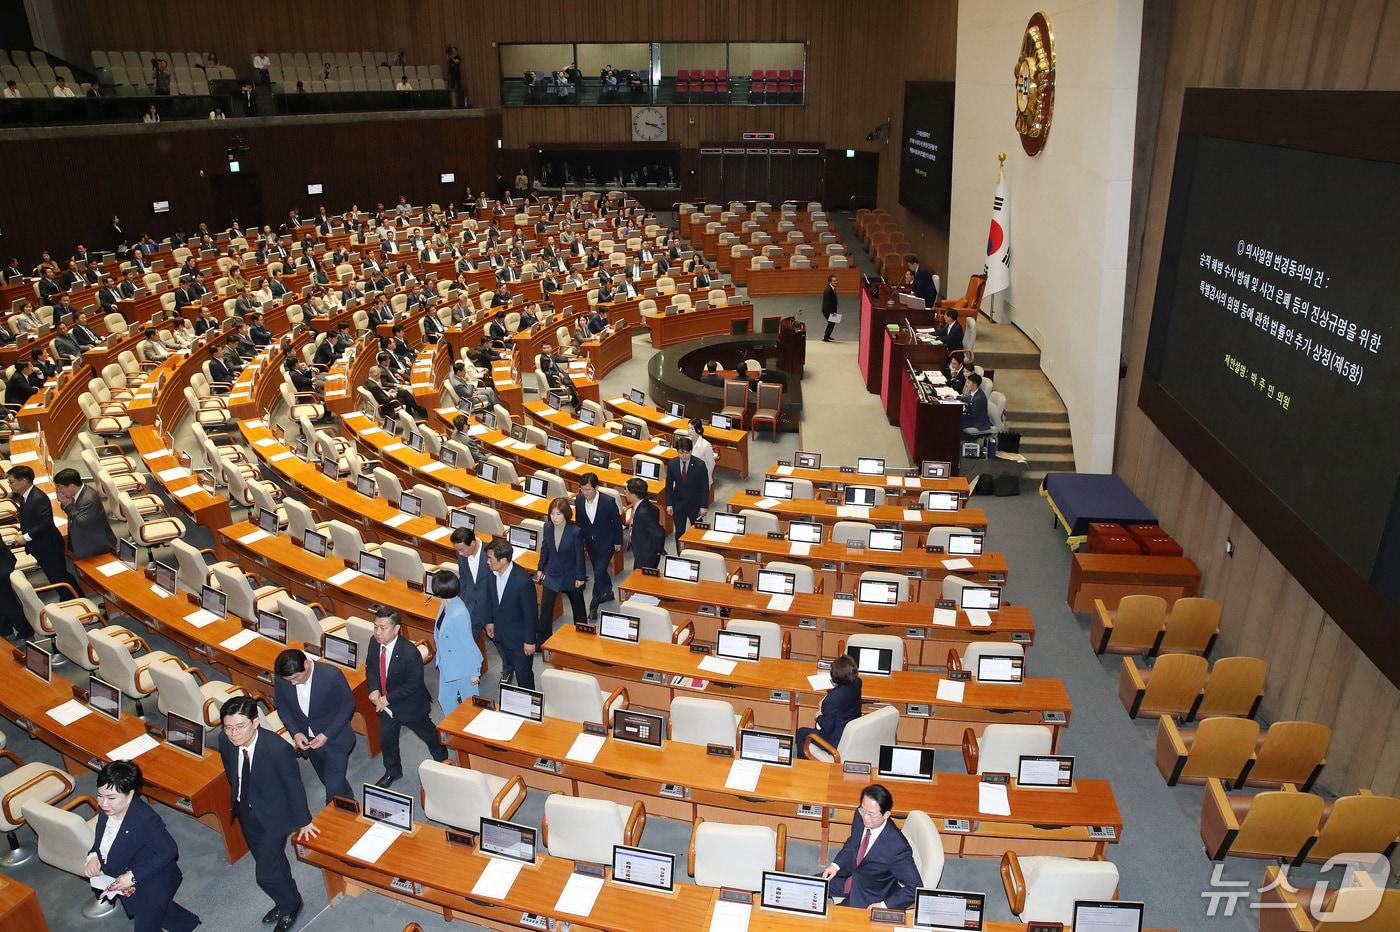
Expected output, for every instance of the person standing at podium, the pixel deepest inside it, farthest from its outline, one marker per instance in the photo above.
(921, 280)
(830, 302)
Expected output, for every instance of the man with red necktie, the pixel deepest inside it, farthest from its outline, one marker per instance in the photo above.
(876, 865)
(687, 488)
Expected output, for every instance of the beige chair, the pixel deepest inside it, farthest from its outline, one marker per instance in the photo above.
(149, 532)
(1000, 747)
(926, 845)
(306, 624)
(654, 623)
(804, 576)
(402, 562)
(577, 697)
(706, 721)
(1171, 687)
(1191, 627)
(1133, 628)
(1272, 824)
(580, 829)
(33, 782)
(243, 600)
(460, 796)
(843, 532)
(191, 567)
(861, 739)
(36, 612)
(899, 579)
(70, 629)
(124, 659)
(893, 643)
(65, 838)
(736, 856)
(1219, 747)
(773, 641)
(190, 694)
(1045, 889)
(712, 568)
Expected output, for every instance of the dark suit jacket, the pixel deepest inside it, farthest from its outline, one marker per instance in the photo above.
(18, 389)
(958, 381)
(562, 566)
(514, 615)
(89, 533)
(975, 414)
(278, 804)
(604, 532)
(829, 300)
(143, 846)
(688, 497)
(648, 536)
(886, 874)
(924, 287)
(36, 520)
(473, 594)
(332, 706)
(408, 697)
(953, 336)
(840, 707)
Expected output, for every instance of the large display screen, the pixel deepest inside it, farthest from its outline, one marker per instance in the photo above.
(926, 149)
(1274, 351)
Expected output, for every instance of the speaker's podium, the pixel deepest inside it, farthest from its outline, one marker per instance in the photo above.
(932, 429)
(880, 305)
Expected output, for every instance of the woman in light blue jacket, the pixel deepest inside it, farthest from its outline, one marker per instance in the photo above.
(458, 657)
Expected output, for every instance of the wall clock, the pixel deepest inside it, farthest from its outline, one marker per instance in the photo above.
(1035, 84)
(648, 124)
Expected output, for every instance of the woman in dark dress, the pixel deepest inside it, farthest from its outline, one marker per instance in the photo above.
(840, 706)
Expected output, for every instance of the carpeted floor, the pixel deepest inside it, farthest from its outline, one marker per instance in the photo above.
(1160, 857)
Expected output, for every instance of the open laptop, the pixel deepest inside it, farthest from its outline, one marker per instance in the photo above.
(680, 569)
(948, 910)
(877, 592)
(1001, 668)
(386, 807)
(737, 645)
(898, 762)
(805, 532)
(619, 627)
(870, 466)
(803, 894)
(987, 598)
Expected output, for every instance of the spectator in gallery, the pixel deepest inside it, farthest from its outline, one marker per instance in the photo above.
(152, 115)
(217, 114)
(403, 84)
(12, 91)
(61, 89)
(455, 87)
(301, 88)
(262, 65)
(160, 77)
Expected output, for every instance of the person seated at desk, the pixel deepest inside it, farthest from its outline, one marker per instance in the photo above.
(399, 346)
(45, 365)
(205, 322)
(496, 329)
(19, 387)
(108, 295)
(598, 320)
(529, 317)
(876, 865)
(65, 345)
(626, 288)
(711, 375)
(150, 349)
(258, 331)
(84, 334)
(950, 331)
(702, 277)
(557, 378)
(840, 706)
(390, 395)
(975, 418)
(957, 374)
(129, 287)
(225, 366)
(244, 343)
(605, 292)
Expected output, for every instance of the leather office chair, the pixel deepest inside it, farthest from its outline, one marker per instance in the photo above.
(577, 697)
(305, 625)
(1045, 889)
(581, 829)
(773, 640)
(1000, 747)
(26, 783)
(36, 612)
(402, 562)
(861, 739)
(460, 796)
(890, 642)
(1133, 628)
(119, 663)
(190, 694)
(706, 721)
(243, 600)
(899, 579)
(65, 838)
(736, 856)
(926, 845)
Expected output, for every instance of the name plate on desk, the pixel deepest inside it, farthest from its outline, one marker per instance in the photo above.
(482, 702)
(589, 870)
(832, 501)
(346, 805)
(730, 895)
(855, 767)
(650, 571)
(996, 577)
(754, 492)
(699, 648)
(776, 535)
(996, 779)
(1045, 927)
(461, 839)
(893, 917)
(594, 728)
(962, 676)
(848, 469)
(583, 627)
(701, 525)
(743, 586)
(719, 750)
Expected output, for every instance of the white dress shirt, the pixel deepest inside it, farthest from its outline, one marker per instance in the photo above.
(304, 695)
(248, 749)
(590, 508)
(109, 835)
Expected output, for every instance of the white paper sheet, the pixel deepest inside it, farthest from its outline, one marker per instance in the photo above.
(497, 878)
(69, 712)
(779, 603)
(28, 456)
(101, 882)
(396, 520)
(133, 748)
(717, 665)
(821, 680)
(438, 533)
(579, 895)
(254, 536)
(843, 608)
(717, 537)
(265, 442)
(259, 423)
(189, 490)
(476, 430)
(784, 470)
(239, 640)
(166, 475)
(913, 514)
(394, 447)
(957, 564)
(585, 748)
(992, 799)
(945, 617)
(373, 843)
(434, 466)
(493, 725)
(950, 691)
(159, 592)
(852, 511)
(606, 435)
(344, 576)
(527, 499)
(730, 917)
(202, 618)
(573, 465)
(766, 503)
(799, 548)
(372, 431)
(111, 568)
(156, 454)
(279, 457)
(669, 419)
(743, 775)
(979, 618)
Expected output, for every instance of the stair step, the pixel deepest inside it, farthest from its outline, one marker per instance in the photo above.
(1040, 428)
(993, 359)
(1040, 446)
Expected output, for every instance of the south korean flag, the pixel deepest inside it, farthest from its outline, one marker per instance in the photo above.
(998, 266)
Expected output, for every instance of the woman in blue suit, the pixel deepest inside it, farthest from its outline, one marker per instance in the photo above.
(561, 567)
(840, 706)
(458, 657)
(133, 847)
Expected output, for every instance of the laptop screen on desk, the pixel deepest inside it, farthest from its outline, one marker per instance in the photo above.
(619, 626)
(941, 501)
(1000, 668)
(271, 625)
(776, 582)
(726, 523)
(965, 545)
(1045, 770)
(887, 540)
(862, 495)
(486, 471)
(525, 703)
(737, 645)
(648, 469)
(556, 446)
(213, 601)
(906, 763)
(777, 488)
(948, 910)
(794, 893)
(870, 466)
(878, 592)
(365, 486)
(372, 564)
(388, 808)
(807, 460)
(598, 459)
(315, 543)
(587, 416)
(340, 650)
(636, 396)
(680, 569)
(769, 747)
(460, 518)
(410, 504)
(536, 486)
(638, 727)
(805, 532)
(1113, 916)
(935, 469)
(164, 576)
(507, 840)
(876, 660)
(104, 697)
(675, 409)
(987, 598)
(652, 870)
(184, 734)
(38, 661)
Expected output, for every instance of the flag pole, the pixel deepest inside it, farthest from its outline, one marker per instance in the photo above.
(1001, 170)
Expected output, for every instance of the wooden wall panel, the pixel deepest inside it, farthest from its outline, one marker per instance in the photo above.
(1315, 671)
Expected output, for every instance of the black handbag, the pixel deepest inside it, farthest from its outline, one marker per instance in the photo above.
(1009, 441)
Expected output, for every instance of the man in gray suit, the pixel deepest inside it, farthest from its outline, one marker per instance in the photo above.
(89, 533)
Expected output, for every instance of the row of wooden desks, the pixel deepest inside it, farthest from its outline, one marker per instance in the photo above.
(195, 787)
(827, 513)
(783, 695)
(220, 643)
(668, 329)
(731, 446)
(818, 623)
(895, 483)
(682, 781)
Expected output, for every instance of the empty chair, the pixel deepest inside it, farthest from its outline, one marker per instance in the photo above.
(576, 697)
(1045, 889)
(654, 623)
(460, 796)
(1191, 626)
(243, 600)
(760, 522)
(860, 740)
(190, 694)
(71, 634)
(938, 536)
(488, 520)
(899, 579)
(304, 624)
(118, 665)
(1134, 627)
(712, 566)
(149, 532)
(434, 504)
(973, 653)
(346, 542)
(191, 568)
(402, 562)
(1000, 747)
(1217, 747)
(926, 846)
(773, 641)
(875, 642)
(1235, 687)
(706, 721)
(722, 855)
(36, 612)
(1361, 824)
(65, 838)
(768, 408)
(1289, 752)
(1359, 907)
(582, 829)
(1272, 824)
(736, 401)
(1171, 687)
(32, 782)
(805, 578)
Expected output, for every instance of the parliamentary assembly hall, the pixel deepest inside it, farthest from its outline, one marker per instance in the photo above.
(654, 467)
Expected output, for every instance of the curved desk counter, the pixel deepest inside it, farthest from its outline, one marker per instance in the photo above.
(895, 482)
(918, 520)
(668, 329)
(673, 374)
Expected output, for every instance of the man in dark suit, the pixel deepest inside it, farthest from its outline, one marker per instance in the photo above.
(130, 287)
(89, 532)
(601, 523)
(394, 675)
(975, 418)
(711, 375)
(41, 537)
(687, 488)
(108, 296)
(830, 302)
(876, 865)
(13, 624)
(921, 279)
(473, 574)
(269, 803)
(511, 612)
(950, 331)
(18, 388)
(648, 536)
(316, 706)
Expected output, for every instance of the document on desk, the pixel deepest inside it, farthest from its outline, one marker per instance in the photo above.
(259, 423)
(799, 548)
(133, 748)
(254, 537)
(202, 618)
(344, 576)
(69, 712)
(373, 843)
(437, 533)
(766, 503)
(779, 603)
(189, 490)
(957, 564)
(111, 567)
(493, 725)
(717, 537)
(169, 475)
(373, 431)
(945, 617)
(643, 598)
(396, 520)
(730, 917)
(527, 500)
(820, 680)
(913, 514)
(434, 466)
(265, 442)
(579, 895)
(497, 878)
(573, 465)
(743, 775)
(950, 691)
(784, 470)
(239, 640)
(476, 430)
(718, 665)
(154, 454)
(670, 419)
(992, 799)
(28, 456)
(852, 511)
(979, 618)
(843, 608)
(279, 457)
(577, 425)
(606, 435)
(585, 748)
(658, 450)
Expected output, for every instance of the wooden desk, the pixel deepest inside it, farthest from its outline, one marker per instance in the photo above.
(838, 567)
(1042, 821)
(778, 691)
(670, 329)
(177, 481)
(820, 510)
(605, 353)
(731, 446)
(60, 418)
(249, 666)
(816, 631)
(810, 281)
(19, 907)
(831, 477)
(195, 787)
(1109, 577)
(931, 430)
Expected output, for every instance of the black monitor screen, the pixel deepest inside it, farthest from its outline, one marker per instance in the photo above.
(38, 661)
(638, 727)
(184, 734)
(372, 564)
(948, 910)
(906, 763)
(794, 893)
(272, 625)
(598, 459)
(507, 840)
(926, 149)
(521, 702)
(340, 650)
(461, 518)
(807, 460)
(315, 543)
(387, 807)
(104, 697)
(768, 747)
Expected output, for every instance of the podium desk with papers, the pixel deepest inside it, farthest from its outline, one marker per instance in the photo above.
(196, 788)
(683, 781)
(819, 509)
(249, 665)
(816, 629)
(783, 696)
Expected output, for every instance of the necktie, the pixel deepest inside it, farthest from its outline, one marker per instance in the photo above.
(245, 778)
(383, 670)
(860, 856)
(683, 470)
